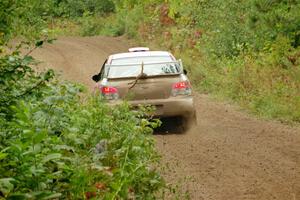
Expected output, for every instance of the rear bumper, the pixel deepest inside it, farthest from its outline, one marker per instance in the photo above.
(173, 106)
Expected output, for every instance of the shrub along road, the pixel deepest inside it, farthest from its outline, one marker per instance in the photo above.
(229, 155)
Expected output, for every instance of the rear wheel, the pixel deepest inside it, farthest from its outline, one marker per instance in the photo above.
(187, 122)
(177, 124)
(171, 125)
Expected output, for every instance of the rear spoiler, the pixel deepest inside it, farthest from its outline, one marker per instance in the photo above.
(138, 49)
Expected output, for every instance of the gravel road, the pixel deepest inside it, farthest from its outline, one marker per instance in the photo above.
(229, 155)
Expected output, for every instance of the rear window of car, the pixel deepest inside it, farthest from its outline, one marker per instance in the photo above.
(149, 69)
(141, 59)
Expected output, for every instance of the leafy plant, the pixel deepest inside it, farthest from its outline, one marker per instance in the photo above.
(55, 144)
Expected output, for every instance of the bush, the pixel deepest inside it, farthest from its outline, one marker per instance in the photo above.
(56, 144)
(76, 8)
(267, 82)
(29, 19)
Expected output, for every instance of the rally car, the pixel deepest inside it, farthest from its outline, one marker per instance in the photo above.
(154, 78)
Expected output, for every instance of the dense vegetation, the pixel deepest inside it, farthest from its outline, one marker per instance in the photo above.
(56, 144)
(30, 18)
(56, 140)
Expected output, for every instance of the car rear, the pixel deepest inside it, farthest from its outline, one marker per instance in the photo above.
(149, 78)
(170, 95)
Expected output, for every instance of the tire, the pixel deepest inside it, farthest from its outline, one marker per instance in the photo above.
(188, 122)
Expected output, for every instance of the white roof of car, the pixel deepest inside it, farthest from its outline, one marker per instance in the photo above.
(139, 54)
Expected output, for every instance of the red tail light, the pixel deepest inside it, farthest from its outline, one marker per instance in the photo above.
(181, 85)
(108, 90)
(110, 93)
(181, 88)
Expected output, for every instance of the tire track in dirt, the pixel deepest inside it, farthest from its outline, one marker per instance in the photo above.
(229, 155)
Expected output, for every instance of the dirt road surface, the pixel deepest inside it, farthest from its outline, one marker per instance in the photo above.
(229, 155)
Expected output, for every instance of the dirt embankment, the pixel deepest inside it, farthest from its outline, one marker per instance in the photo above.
(227, 156)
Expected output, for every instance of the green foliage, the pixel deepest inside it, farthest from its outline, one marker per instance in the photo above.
(267, 83)
(246, 51)
(23, 17)
(56, 144)
(18, 81)
(30, 18)
(130, 21)
(77, 8)
(232, 26)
